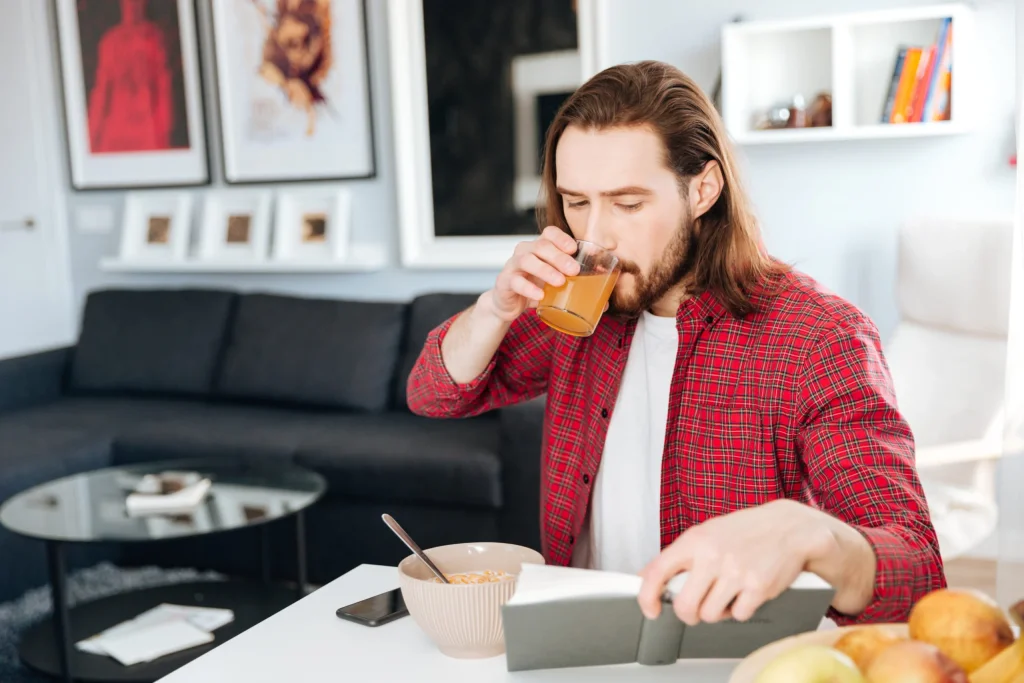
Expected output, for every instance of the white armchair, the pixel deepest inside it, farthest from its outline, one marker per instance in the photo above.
(948, 361)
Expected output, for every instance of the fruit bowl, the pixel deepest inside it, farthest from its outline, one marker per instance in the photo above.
(752, 664)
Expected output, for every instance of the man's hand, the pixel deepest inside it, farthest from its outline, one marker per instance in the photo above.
(739, 561)
(520, 284)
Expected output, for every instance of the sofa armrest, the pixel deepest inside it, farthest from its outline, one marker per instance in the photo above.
(974, 450)
(522, 430)
(29, 380)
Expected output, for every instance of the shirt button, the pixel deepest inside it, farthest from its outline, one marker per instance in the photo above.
(604, 412)
(572, 539)
(586, 478)
(620, 342)
(709, 320)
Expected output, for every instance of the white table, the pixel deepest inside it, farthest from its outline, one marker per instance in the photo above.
(307, 643)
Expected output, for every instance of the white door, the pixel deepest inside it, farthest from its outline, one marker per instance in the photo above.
(35, 291)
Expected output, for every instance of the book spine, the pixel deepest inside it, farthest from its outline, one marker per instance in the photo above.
(894, 83)
(907, 78)
(924, 71)
(941, 52)
(939, 109)
(661, 639)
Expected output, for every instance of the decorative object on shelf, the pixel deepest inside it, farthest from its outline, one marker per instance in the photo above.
(236, 225)
(467, 143)
(294, 90)
(156, 226)
(312, 225)
(132, 93)
(796, 114)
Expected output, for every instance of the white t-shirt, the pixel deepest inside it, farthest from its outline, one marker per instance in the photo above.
(623, 527)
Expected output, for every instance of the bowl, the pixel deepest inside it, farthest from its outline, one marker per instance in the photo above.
(463, 620)
(751, 665)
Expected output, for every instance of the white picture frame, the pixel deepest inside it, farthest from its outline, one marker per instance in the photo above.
(104, 151)
(419, 245)
(235, 226)
(156, 226)
(312, 225)
(268, 135)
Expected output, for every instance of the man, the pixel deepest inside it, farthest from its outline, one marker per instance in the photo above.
(728, 417)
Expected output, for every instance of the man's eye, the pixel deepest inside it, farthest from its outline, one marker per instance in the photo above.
(577, 205)
(632, 207)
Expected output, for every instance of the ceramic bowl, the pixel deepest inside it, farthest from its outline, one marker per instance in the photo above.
(463, 620)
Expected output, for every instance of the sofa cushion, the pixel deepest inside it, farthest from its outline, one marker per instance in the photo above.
(425, 313)
(321, 352)
(30, 456)
(404, 458)
(150, 341)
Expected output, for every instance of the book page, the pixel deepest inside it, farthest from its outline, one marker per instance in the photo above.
(546, 583)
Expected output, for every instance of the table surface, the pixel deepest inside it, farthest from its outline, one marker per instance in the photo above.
(307, 643)
(90, 507)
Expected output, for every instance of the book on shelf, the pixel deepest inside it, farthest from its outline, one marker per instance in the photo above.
(567, 617)
(921, 79)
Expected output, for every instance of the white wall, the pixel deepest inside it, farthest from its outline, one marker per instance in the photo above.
(831, 209)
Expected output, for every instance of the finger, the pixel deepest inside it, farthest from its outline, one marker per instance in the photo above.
(656, 575)
(560, 238)
(687, 603)
(524, 287)
(750, 598)
(718, 600)
(550, 253)
(542, 270)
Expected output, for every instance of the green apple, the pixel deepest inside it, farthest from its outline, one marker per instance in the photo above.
(811, 664)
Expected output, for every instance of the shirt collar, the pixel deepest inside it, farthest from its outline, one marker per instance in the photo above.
(705, 306)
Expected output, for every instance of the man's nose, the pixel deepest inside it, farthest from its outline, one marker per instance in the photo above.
(599, 228)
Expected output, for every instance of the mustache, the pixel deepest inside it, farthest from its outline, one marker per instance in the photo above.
(629, 267)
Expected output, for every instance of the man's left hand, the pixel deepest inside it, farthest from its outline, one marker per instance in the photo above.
(737, 562)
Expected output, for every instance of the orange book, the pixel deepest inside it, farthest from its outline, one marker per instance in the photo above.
(924, 79)
(906, 86)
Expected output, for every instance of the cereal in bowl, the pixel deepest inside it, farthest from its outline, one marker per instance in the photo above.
(486, 576)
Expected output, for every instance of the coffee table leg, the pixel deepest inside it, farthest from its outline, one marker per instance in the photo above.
(58, 586)
(300, 535)
(265, 552)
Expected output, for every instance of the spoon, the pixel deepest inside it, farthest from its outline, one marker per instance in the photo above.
(407, 540)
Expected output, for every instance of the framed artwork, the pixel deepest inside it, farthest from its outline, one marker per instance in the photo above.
(236, 225)
(156, 226)
(312, 225)
(468, 145)
(294, 90)
(132, 93)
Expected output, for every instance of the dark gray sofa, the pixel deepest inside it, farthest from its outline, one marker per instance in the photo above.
(187, 373)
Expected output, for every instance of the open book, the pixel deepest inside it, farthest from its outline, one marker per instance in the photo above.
(563, 616)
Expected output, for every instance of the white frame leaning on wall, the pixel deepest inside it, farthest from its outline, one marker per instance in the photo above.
(420, 247)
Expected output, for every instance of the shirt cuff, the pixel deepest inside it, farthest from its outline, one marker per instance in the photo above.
(894, 580)
(445, 386)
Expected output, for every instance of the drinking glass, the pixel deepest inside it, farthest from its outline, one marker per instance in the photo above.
(576, 306)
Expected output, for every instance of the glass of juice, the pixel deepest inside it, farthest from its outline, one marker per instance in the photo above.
(575, 308)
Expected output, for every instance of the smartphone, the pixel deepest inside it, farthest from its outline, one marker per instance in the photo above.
(375, 611)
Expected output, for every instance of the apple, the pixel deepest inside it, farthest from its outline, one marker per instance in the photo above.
(810, 664)
(864, 643)
(967, 625)
(912, 661)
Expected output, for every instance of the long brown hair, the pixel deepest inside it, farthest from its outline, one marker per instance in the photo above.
(729, 258)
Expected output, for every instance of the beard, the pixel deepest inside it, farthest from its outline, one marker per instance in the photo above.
(674, 266)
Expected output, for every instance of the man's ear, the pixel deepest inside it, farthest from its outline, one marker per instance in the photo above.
(705, 188)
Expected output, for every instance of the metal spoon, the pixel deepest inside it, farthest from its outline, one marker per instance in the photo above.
(407, 540)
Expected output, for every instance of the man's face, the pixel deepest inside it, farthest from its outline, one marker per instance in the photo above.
(617, 192)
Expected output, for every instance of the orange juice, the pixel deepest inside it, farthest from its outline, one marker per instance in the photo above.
(576, 307)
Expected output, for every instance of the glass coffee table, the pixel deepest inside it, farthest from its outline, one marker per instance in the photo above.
(91, 508)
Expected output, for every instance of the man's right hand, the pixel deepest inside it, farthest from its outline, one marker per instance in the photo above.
(520, 284)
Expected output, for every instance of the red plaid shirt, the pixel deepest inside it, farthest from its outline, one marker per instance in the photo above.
(792, 401)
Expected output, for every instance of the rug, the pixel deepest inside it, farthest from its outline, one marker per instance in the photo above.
(95, 582)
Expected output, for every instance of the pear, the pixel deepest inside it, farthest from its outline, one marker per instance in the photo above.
(810, 664)
(967, 625)
(864, 643)
(912, 661)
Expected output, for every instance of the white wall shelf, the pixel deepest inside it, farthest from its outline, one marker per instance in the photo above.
(362, 259)
(849, 56)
